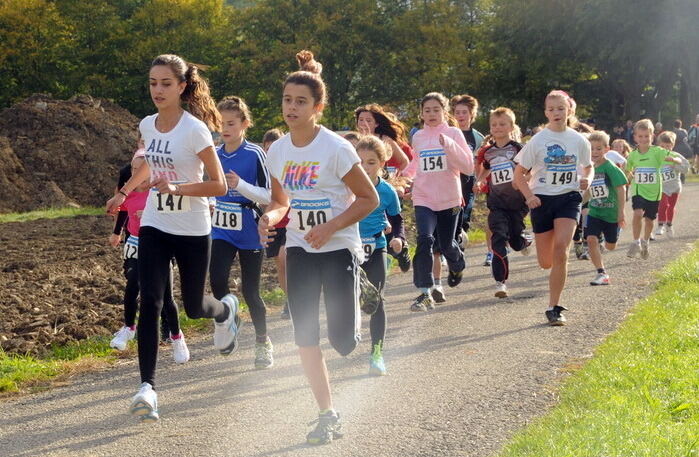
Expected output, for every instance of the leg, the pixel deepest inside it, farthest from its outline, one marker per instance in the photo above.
(469, 197)
(317, 375)
(425, 221)
(250, 272)
(170, 312)
(663, 210)
(375, 269)
(498, 224)
(595, 254)
(544, 249)
(672, 202)
(340, 278)
(281, 267)
(562, 237)
(447, 221)
(131, 292)
(647, 228)
(437, 267)
(636, 224)
(222, 257)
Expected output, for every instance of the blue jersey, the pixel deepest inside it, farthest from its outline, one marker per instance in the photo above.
(371, 227)
(235, 219)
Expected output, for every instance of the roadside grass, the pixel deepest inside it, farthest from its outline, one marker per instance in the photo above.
(690, 177)
(639, 395)
(52, 213)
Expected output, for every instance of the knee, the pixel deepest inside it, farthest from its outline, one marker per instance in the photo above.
(345, 345)
(560, 254)
(425, 241)
(545, 264)
(610, 246)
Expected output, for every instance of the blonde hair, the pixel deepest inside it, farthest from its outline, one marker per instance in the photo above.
(667, 137)
(375, 145)
(644, 124)
(501, 111)
(237, 105)
(352, 136)
(599, 135)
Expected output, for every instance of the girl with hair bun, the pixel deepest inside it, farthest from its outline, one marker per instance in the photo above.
(317, 175)
(176, 220)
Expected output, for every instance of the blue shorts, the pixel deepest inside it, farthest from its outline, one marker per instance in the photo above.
(555, 207)
(595, 227)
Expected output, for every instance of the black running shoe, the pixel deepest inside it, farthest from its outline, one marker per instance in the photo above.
(422, 302)
(454, 278)
(438, 295)
(285, 312)
(555, 317)
(404, 259)
(328, 428)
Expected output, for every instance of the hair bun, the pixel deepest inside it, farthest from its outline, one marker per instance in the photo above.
(308, 63)
(192, 72)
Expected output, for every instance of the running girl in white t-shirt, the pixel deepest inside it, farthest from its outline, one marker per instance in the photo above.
(176, 220)
(553, 192)
(318, 175)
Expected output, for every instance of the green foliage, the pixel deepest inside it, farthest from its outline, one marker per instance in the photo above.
(52, 213)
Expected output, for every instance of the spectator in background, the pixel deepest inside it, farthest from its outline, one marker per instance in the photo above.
(628, 133)
(693, 138)
(682, 142)
(658, 128)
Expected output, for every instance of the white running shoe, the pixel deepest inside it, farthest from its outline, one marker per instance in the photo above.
(122, 337)
(670, 232)
(644, 249)
(660, 230)
(500, 289)
(180, 351)
(145, 404)
(634, 250)
(602, 279)
(464, 240)
(226, 333)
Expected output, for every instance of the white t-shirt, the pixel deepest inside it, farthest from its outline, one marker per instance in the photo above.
(554, 158)
(174, 155)
(617, 158)
(312, 178)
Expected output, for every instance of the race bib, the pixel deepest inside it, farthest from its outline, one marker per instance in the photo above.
(561, 175)
(169, 203)
(599, 189)
(645, 175)
(306, 214)
(228, 216)
(391, 171)
(668, 174)
(502, 173)
(368, 245)
(131, 248)
(433, 160)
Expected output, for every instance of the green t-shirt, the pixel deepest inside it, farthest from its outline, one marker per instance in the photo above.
(604, 203)
(646, 172)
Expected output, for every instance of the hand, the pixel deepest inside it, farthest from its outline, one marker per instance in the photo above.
(669, 159)
(232, 179)
(584, 183)
(533, 202)
(441, 139)
(621, 221)
(319, 235)
(163, 186)
(114, 203)
(211, 209)
(114, 240)
(266, 232)
(477, 187)
(396, 245)
(388, 229)
(364, 129)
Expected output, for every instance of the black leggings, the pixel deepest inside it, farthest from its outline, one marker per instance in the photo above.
(375, 269)
(155, 249)
(169, 313)
(222, 257)
(507, 226)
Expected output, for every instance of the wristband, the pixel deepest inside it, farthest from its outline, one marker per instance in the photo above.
(123, 193)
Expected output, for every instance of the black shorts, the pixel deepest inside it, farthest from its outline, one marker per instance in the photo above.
(650, 208)
(275, 246)
(336, 273)
(555, 207)
(597, 226)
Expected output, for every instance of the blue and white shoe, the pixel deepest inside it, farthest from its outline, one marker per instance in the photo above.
(145, 404)
(488, 259)
(226, 333)
(377, 366)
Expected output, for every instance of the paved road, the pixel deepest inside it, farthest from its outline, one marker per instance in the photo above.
(461, 378)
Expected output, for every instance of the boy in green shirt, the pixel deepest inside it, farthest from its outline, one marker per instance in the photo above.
(606, 208)
(643, 168)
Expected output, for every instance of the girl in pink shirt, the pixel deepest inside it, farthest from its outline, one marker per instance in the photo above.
(441, 155)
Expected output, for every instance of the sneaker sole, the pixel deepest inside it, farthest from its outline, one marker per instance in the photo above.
(315, 442)
(376, 372)
(501, 294)
(557, 323)
(599, 283)
(417, 309)
(234, 344)
(144, 411)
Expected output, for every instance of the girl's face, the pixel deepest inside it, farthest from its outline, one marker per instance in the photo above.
(233, 126)
(165, 88)
(557, 111)
(298, 106)
(462, 113)
(618, 147)
(432, 113)
(500, 127)
(370, 162)
(366, 123)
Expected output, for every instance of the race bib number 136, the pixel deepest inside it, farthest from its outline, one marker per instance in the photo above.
(306, 214)
(645, 175)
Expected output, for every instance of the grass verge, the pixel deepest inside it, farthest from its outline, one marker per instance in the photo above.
(51, 213)
(639, 395)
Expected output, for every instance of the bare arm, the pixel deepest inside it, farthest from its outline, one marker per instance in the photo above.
(522, 184)
(397, 153)
(279, 205)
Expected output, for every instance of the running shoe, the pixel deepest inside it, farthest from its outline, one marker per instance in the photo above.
(634, 250)
(585, 255)
(488, 259)
(226, 333)
(369, 297)
(578, 250)
(454, 278)
(443, 261)
(463, 241)
(555, 317)
(404, 259)
(644, 250)
(422, 302)
(500, 289)
(145, 404)
(122, 337)
(438, 294)
(328, 428)
(180, 351)
(376, 363)
(263, 355)
(602, 279)
(670, 231)
(285, 312)
(660, 230)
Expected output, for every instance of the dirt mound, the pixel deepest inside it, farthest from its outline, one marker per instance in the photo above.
(57, 152)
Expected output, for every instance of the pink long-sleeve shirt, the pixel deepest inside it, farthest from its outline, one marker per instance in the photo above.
(436, 168)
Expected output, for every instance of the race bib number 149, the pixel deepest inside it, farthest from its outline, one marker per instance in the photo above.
(561, 175)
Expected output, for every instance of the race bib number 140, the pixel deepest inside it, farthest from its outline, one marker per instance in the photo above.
(306, 214)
